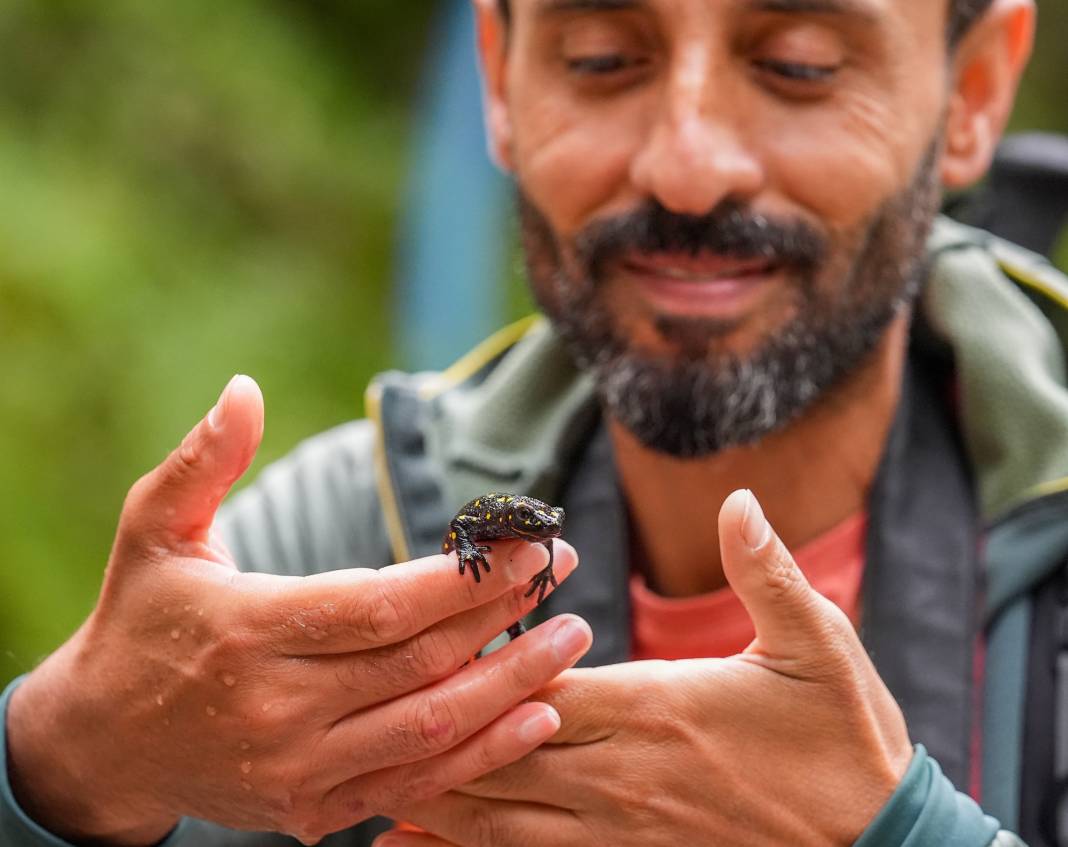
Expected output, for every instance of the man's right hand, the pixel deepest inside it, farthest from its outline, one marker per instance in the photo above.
(297, 705)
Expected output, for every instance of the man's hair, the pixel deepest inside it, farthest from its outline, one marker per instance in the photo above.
(962, 14)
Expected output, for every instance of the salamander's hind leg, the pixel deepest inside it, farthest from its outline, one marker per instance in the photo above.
(545, 577)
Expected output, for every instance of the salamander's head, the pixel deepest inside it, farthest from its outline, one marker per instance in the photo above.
(532, 519)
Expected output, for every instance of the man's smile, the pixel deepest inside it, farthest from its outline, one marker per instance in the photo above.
(707, 285)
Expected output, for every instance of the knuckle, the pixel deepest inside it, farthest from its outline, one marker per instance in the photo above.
(782, 576)
(436, 655)
(381, 617)
(415, 788)
(272, 723)
(188, 457)
(434, 723)
(231, 646)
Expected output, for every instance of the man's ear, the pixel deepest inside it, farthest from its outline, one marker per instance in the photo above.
(493, 53)
(986, 70)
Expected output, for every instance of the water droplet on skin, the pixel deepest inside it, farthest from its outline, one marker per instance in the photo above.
(188, 607)
(268, 706)
(229, 680)
(246, 785)
(212, 711)
(200, 613)
(159, 699)
(166, 610)
(176, 634)
(245, 745)
(246, 767)
(166, 721)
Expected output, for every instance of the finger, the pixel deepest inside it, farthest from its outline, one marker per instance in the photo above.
(552, 775)
(428, 722)
(353, 681)
(399, 838)
(790, 617)
(362, 609)
(592, 701)
(475, 822)
(385, 792)
(177, 501)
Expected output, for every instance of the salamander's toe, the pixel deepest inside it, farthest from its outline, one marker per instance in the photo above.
(540, 582)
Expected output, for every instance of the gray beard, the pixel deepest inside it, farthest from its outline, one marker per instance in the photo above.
(701, 402)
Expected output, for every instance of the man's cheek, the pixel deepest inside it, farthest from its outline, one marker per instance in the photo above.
(860, 152)
(572, 166)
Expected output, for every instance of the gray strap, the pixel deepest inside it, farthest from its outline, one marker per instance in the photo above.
(414, 479)
(920, 618)
(596, 527)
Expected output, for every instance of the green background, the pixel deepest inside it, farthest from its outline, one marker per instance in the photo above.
(189, 190)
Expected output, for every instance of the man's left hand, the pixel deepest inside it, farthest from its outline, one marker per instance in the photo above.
(795, 741)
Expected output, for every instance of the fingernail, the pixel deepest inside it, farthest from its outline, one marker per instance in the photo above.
(218, 412)
(571, 639)
(539, 727)
(755, 527)
(524, 562)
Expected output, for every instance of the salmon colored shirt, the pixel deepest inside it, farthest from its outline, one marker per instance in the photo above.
(716, 625)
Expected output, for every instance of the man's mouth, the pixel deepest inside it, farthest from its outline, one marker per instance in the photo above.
(704, 285)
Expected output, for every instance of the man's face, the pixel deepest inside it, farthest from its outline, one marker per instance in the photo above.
(724, 202)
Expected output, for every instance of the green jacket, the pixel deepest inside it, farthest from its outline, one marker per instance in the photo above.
(516, 415)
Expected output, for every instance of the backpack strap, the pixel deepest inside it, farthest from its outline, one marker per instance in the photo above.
(920, 621)
(1044, 762)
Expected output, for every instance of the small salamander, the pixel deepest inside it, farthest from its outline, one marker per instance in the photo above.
(492, 517)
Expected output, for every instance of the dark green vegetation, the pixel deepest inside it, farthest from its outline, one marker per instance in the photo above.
(188, 190)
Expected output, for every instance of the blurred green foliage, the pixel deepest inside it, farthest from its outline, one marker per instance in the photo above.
(189, 190)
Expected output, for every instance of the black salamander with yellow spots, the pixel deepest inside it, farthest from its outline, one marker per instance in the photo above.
(493, 517)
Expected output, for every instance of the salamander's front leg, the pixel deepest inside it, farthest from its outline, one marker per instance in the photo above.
(470, 553)
(541, 581)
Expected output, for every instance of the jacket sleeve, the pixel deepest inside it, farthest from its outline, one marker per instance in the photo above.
(314, 510)
(926, 809)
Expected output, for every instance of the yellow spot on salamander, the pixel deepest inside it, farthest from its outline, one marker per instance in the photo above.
(488, 516)
(478, 503)
(452, 535)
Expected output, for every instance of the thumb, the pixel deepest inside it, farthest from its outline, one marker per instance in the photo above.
(177, 500)
(790, 617)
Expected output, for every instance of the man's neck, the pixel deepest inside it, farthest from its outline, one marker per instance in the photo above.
(808, 477)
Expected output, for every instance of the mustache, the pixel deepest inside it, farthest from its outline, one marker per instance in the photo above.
(729, 230)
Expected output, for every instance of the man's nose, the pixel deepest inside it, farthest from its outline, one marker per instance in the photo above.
(695, 156)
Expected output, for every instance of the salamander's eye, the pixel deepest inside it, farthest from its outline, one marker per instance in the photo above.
(524, 513)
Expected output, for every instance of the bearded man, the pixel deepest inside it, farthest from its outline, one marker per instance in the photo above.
(728, 209)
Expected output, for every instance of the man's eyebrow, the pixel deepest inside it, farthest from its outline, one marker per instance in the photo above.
(852, 8)
(550, 7)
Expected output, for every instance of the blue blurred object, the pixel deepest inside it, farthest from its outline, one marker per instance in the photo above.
(454, 238)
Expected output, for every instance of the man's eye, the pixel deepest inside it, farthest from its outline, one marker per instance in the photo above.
(609, 63)
(798, 72)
